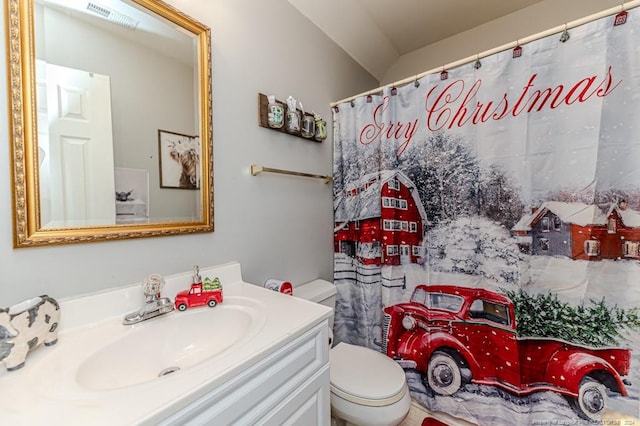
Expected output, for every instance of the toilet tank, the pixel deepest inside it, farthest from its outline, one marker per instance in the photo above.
(318, 291)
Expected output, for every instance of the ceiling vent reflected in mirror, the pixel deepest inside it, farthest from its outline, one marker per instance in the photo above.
(113, 16)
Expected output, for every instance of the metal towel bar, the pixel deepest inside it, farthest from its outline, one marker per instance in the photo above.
(259, 169)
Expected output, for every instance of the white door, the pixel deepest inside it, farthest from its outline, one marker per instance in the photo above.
(404, 254)
(81, 147)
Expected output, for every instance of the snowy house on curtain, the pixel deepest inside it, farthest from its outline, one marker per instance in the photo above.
(380, 219)
(580, 231)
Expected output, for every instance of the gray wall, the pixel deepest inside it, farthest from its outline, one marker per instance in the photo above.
(539, 17)
(276, 226)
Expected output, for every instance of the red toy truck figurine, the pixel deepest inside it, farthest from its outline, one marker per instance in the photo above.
(208, 293)
(457, 335)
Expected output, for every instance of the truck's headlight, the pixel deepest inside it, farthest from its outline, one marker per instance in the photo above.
(408, 322)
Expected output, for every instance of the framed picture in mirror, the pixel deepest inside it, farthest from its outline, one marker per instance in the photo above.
(179, 160)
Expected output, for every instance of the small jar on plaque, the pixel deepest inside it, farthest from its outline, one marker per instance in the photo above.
(308, 127)
(275, 113)
(321, 129)
(292, 121)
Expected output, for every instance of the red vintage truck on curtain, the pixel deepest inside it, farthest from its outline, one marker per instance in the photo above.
(456, 335)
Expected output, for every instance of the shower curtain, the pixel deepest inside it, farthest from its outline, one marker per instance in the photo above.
(487, 230)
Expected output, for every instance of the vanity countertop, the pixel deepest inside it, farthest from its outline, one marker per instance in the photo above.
(48, 389)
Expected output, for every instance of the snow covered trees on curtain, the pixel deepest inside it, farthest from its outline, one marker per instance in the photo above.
(474, 246)
(452, 183)
(499, 198)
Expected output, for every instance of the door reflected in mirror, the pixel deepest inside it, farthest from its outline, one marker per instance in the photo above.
(102, 80)
(75, 141)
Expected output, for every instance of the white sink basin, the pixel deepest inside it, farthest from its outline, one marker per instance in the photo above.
(167, 345)
(109, 356)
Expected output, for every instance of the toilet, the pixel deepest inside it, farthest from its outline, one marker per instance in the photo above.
(367, 387)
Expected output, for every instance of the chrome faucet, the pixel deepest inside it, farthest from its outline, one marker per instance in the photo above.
(155, 304)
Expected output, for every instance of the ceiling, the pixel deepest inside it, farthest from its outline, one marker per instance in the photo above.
(377, 32)
(132, 22)
(412, 24)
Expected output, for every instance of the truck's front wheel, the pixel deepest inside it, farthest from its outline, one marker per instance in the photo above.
(444, 374)
(592, 399)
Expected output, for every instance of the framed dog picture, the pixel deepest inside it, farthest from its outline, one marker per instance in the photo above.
(179, 160)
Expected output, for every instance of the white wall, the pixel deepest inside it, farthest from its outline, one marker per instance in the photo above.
(508, 29)
(276, 226)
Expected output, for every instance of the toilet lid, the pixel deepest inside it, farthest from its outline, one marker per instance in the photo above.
(364, 376)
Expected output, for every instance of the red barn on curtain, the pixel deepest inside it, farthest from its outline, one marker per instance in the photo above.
(384, 228)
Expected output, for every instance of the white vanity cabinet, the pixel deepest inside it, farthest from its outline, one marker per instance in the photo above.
(287, 387)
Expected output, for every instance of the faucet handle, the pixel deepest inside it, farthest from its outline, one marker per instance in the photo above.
(153, 285)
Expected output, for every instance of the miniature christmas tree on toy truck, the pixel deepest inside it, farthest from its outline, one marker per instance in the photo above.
(201, 293)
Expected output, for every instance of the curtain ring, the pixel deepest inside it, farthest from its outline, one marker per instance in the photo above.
(621, 17)
(477, 64)
(564, 37)
(444, 74)
(517, 51)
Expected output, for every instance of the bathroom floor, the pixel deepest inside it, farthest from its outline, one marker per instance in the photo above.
(418, 416)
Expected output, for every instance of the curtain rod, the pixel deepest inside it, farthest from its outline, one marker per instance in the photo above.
(607, 12)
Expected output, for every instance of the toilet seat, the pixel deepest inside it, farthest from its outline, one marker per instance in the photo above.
(365, 377)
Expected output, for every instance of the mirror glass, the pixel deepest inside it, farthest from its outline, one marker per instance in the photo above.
(118, 92)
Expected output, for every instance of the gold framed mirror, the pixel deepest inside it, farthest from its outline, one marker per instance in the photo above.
(107, 100)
